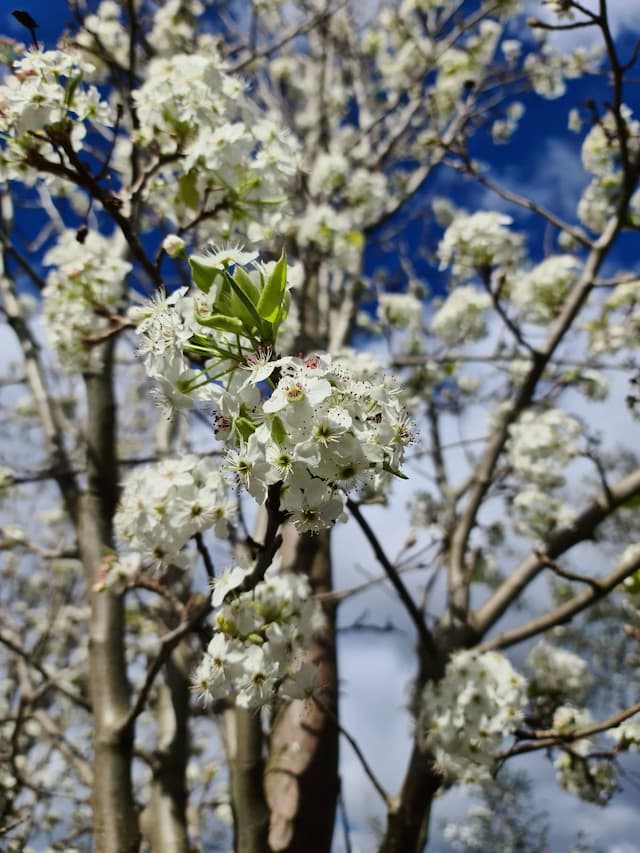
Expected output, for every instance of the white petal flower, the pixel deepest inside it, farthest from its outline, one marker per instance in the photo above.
(220, 257)
(229, 580)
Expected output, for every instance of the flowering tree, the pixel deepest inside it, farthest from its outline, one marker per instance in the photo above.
(206, 186)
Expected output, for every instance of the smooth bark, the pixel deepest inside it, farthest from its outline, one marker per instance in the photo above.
(244, 741)
(115, 817)
(164, 821)
(301, 777)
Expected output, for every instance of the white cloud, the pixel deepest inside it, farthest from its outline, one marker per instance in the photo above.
(551, 174)
(623, 16)
(376, 669)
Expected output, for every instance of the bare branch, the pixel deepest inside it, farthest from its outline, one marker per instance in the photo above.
(426, 639)
(50, 680)
(544, 739)
(359, 753)
(566, 611)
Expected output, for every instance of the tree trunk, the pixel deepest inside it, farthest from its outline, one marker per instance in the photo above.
(244, 747)
(115, 818)
(408, 822)
(164, 821)
(301, 778)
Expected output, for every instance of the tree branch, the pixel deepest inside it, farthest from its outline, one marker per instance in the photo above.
(426, 639)
(544, 739)
(566, 611)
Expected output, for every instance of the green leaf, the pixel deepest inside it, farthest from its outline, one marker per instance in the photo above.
(242, 306)
(278, 432)
(203, 276)
(273, 292)
(243, 280)
(393, 471)
(632, 503)
(355, 238)
(245, 427)
(187, 191)
(223, 322)
(284, 310)
(70, 90)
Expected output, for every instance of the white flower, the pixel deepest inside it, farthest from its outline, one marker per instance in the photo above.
(163, 505)
(541, 445)
(540, 292)
(173, 245)
(466, 715)
(229, 580)
(461, 317)
(558, 672)
(478, 242)
(222, 257)
(262, 638)
(591, 778)
(86, 282)
(400, 310)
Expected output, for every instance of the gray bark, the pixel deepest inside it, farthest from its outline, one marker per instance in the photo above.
(115, 817)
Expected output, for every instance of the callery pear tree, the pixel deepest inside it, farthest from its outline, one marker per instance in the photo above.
(271, 284)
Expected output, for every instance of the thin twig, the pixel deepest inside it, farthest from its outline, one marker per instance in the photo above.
(50, 681)
(426, 639)
(206, 556)
(543, 739)
(354, 745)
(167, 644)
(548, 563)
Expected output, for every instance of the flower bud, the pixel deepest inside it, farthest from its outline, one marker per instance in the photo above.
(173, 245)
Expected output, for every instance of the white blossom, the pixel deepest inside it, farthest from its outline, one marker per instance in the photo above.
(261, 640)
(541, 445)
(163, 505)
(466, 715)
(591, 778)
(461, 318)
(540, 292)
(558, 673)
(479, 242)
(85, 285)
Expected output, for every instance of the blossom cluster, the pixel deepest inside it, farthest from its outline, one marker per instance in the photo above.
(457, 65)
(306, 424)
(263, 634)
(537, 511)
(548, 69)
(461, 317)
(466, 715)
(335, 232)
(164, 325)
(217, 151)
(189, 323)
(171, 29)
(163, 505)
(593, 779)
(105, 27)
(44, 91)
(626, 735)
(541, 291)
(334, 173)
(400, 311)
(601, 156)
(476, 244)
(320, 433)
(85, 285)
(557, 673)
(618, 324)
(541, 445)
